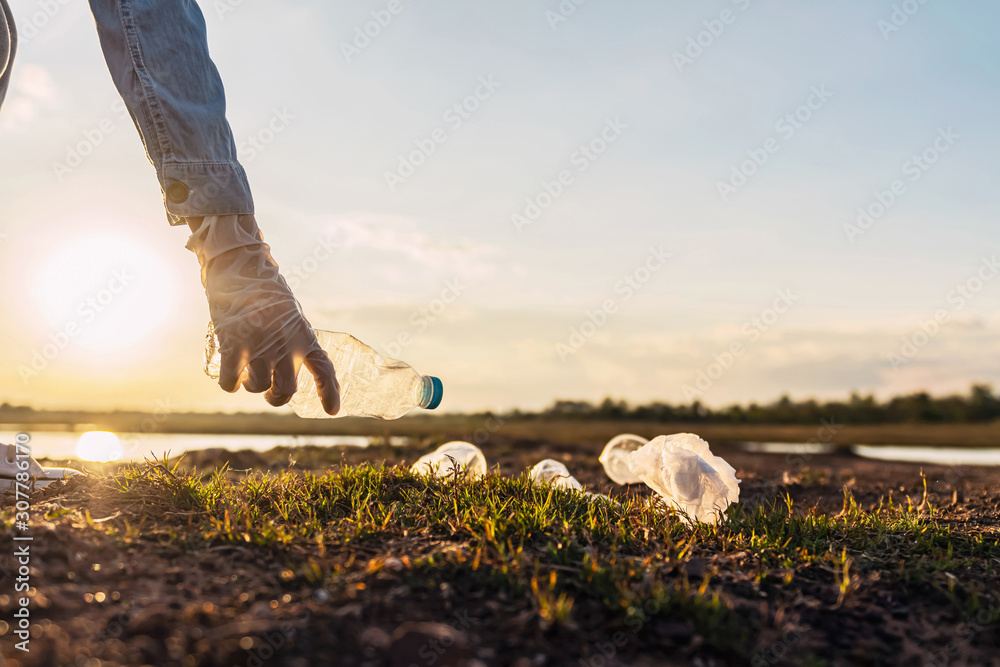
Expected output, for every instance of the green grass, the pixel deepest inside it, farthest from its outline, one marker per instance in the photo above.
(556, 549)
(579, 565)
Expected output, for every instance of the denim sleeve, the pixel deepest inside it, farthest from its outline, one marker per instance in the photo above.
(157, 52)
(8, 45)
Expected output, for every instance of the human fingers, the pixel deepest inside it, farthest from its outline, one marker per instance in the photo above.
(259, 378)
(318, 363)
(231, 368)
(283, 386)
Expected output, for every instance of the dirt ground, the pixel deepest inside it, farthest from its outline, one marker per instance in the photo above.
(98, 603)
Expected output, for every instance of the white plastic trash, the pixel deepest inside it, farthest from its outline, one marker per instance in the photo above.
(614, 458)
(601, 498)
(15, 460)
(464, 457)
(683, 470)
(550, 471)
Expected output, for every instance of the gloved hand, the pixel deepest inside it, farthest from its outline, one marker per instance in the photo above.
(263, 336)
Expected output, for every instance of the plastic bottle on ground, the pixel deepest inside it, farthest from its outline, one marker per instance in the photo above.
(550, 471)
(683, 471)
(451, 458)
(601, 498)
(614, 458)
(371, 385)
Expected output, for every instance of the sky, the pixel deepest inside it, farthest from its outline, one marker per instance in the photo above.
(723, 201)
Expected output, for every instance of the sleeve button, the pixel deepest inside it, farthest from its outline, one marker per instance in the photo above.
(177, 192)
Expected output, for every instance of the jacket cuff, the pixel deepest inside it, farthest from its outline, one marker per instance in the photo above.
(196, 189)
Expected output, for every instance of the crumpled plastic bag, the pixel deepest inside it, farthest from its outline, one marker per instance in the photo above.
(614, 458)
(683, 471)
(463, 457)
(550, 471)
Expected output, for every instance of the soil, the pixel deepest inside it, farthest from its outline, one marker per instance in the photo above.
(156, 604)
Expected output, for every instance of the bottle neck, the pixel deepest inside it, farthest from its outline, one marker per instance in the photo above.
(426, 392)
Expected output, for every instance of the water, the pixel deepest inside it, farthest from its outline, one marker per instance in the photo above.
(956, 456)
(788, 447)
(138, 446)
(962, 456)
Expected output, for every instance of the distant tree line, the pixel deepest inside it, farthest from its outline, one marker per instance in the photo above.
(980, 405)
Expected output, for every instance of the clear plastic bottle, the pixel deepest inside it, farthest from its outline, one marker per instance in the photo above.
(550, 471)
(614, 458)
(452, 458)
(371, 385)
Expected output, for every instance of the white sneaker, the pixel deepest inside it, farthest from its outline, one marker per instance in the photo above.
(38, 477)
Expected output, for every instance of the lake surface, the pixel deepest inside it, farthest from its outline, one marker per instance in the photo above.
(959, 456)
(956, 456)
(788, 447)
(139, 446)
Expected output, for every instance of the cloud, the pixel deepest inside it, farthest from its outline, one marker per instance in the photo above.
(504, 358)
(399, 236)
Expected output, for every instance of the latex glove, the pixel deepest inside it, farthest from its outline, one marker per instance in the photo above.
(263, 336)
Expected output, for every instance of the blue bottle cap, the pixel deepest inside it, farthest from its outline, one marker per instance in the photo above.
(437, 392)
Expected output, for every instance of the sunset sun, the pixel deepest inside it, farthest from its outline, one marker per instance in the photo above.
(106, 293)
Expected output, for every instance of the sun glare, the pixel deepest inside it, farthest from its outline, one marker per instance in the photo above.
(99, 446)
(106, 293)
